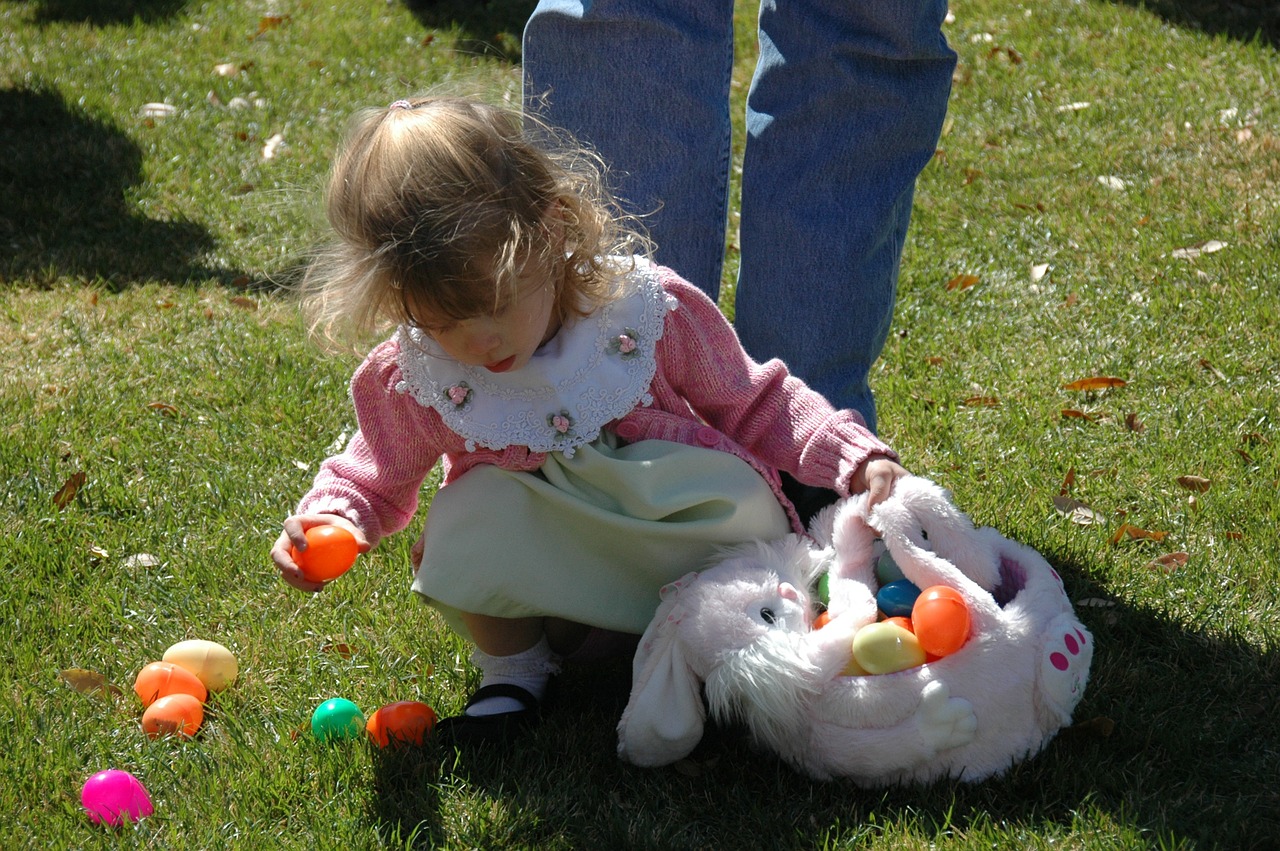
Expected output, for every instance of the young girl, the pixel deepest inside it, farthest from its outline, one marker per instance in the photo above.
(601, 429)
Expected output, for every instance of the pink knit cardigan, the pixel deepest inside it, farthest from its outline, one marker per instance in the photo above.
(707, 392)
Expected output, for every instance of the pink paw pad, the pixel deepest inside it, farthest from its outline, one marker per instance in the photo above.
(1073, 644)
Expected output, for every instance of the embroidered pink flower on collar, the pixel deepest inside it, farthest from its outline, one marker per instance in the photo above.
(459, 394)
(561, 423)
(626, 344)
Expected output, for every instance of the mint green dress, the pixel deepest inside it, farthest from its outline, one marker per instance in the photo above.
(589, 538)
(594, 534)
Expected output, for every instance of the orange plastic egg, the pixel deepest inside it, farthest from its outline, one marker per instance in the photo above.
(330, 552)
(905, 623)
(160, 679)
(176, 714)
(406, 722)
(941, 619)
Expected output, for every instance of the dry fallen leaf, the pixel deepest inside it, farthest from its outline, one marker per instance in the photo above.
(1198, 484)
(346, 651)
(244, 302)
(1112, 182)
(1217, 373)
(141, 560)
(89, 682)
(164, 408)
(1068, 482)
(982, 402)
(1169, 562)
(267, 23)
(69, 489)
(1097, 382)
(272, 146)
(962, 282)
(1191, 252)
(158, 110)
(1135, 533)
(1134, 424)
(1076, 511)
(1072, 413)
(1101, 727)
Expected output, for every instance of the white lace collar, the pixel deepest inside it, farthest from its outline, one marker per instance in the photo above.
(592, 372)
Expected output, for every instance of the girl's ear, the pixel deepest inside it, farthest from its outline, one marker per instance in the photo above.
(553, 221)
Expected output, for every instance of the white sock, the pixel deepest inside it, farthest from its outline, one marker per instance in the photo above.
(530, 670)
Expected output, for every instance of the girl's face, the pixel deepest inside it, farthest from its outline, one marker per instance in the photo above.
(506, 340)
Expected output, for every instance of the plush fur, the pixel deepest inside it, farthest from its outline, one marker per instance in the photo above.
(740, 632)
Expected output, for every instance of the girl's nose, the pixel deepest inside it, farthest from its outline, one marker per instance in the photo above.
(482, 341)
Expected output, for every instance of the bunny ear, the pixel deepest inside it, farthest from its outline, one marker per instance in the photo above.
(664, 717)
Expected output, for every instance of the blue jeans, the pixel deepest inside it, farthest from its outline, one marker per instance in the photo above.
(844, 111)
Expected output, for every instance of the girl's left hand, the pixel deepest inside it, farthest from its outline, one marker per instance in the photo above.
(877, 476)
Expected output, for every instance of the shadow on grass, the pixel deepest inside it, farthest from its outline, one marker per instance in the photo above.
(489, 27)
(63, 210)
(100, 13)
(1243, 20)
(1189, 764)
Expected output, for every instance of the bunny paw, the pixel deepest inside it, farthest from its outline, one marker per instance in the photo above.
(1064, 668)
(945, 721)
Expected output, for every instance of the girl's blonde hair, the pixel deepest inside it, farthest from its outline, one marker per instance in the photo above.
(439, 205)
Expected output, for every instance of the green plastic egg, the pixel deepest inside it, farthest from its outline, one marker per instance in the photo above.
(337, 718)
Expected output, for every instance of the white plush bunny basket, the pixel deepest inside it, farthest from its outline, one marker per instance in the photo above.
(741, 632)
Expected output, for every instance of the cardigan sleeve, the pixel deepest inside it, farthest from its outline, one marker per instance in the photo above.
(770, 412)
(376, 480)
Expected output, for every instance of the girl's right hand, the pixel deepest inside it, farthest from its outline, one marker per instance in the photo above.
(295, 535)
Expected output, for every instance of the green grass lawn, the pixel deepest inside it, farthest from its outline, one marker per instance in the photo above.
(1105, 202)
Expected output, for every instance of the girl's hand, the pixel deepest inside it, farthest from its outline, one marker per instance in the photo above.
(295, 535)
(877, 476)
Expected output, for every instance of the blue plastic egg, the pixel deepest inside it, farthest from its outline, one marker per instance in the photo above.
(896, 598)
(887, 569)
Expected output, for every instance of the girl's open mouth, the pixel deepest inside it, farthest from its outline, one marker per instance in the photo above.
(502, 365)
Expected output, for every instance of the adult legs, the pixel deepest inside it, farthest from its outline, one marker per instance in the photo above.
(646, 82)
(843, 113)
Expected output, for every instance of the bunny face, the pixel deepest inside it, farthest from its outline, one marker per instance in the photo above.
(745, 610)
(737, 604)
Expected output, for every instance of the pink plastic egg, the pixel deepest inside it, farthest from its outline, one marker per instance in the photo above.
(114, 796)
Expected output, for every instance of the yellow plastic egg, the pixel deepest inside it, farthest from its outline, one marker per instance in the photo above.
(212, 663)
(885, 648)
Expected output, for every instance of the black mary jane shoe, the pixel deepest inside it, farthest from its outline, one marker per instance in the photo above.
(491, 730)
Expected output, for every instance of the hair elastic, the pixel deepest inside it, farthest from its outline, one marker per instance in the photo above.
(400, 104)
